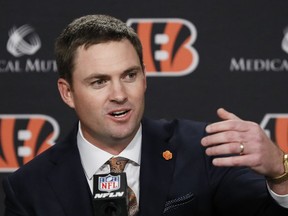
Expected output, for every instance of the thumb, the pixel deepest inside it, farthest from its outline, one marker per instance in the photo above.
(225, 115)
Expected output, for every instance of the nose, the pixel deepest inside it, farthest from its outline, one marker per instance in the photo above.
(118, 92)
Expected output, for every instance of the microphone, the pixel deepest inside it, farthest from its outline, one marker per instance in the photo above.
(110, 196)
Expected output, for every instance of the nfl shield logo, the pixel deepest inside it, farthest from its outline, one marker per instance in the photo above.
(109, 183)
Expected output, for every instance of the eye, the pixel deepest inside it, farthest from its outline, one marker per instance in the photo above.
(98, 83)
(131, 76)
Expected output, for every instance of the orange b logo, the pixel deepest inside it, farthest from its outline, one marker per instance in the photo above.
(276, 127)
(167, 45)
(22, 137)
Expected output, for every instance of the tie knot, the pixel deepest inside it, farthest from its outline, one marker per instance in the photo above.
(117, 164)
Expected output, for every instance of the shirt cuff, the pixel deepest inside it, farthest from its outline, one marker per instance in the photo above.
(282, 200)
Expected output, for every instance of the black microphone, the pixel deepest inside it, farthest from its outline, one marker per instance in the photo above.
(110, 195)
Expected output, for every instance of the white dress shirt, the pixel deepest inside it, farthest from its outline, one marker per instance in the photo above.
(93, 161)
(280, 199)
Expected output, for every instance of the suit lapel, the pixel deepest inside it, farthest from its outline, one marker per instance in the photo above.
(155, 172)
(68, 179)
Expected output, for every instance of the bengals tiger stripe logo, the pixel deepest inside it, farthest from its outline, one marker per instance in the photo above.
(167, 45)
(276, 127)
(22, 137)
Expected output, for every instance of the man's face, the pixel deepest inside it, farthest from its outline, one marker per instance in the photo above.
(108, 92)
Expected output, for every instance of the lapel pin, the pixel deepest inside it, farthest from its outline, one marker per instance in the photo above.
(167, 155)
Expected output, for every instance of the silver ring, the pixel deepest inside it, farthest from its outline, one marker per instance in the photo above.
(241, 148)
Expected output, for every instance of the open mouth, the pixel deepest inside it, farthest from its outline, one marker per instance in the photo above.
(119, 114)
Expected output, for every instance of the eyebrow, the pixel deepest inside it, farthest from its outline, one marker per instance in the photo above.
(105, 76)
(95, 76)
(138, 68)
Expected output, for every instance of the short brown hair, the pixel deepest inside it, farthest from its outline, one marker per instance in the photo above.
(89, 30)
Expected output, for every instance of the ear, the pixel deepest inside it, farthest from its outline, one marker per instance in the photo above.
(145, 76)
(65, 92)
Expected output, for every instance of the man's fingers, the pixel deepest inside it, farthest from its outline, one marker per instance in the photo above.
(243, 160)
(222, 137)
(225, 115)
(226, 149)
(230, 122)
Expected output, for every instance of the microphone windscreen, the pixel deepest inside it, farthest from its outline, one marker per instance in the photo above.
(110, 195)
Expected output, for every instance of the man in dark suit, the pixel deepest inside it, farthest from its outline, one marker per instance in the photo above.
(177, 167)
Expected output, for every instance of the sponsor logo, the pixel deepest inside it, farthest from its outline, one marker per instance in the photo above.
(22, 137)
(24, 41)
(258, 65)
(276, 127)
(110, 195)
(29, 65)
(243, 64)
(167, 45)
(109, 183)
(284, 43)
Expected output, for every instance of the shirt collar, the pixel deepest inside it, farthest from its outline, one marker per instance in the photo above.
(93, 158)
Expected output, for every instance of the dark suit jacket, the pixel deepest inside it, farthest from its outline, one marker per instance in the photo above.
(54, 183)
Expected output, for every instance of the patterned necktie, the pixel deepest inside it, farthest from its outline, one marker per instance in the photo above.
(117, 165)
